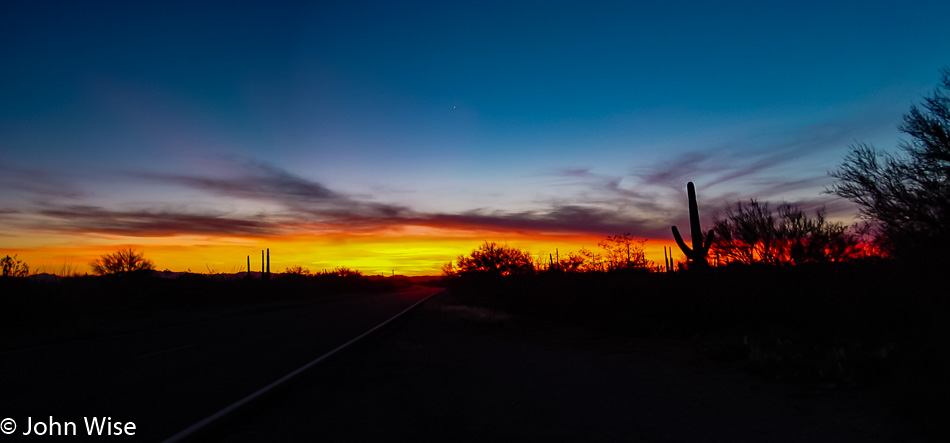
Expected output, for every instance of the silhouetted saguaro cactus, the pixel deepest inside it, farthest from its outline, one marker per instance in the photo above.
(696, 255)
(668, 260)
(267, 275)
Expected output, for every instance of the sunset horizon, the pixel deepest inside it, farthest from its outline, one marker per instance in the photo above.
(401, 253)
(394, 138)
(471, 221)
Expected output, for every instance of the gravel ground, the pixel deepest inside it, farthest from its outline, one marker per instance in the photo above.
(450, 372)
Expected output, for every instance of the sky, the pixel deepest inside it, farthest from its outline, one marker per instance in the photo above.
(391, 137)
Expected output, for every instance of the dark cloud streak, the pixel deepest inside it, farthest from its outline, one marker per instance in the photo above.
(89, 219)
(307, 206)
(756, 155)
(258, 181)
(266, 183)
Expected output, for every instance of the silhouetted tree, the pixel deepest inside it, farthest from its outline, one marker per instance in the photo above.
(573, 262)
(121, 261)
(450, 270)
(14, 267)
(494, 259)
(753, 233)
(297, 270)
(343, 271)
(746, 234)
(591, 261)
(624, 251)
(907, 194)
(804, 239)
(868, 234)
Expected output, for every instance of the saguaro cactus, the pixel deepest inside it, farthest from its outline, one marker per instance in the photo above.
(696, 254)
(668, 259)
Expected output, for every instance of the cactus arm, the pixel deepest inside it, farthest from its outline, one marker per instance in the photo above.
(682, 244)
(709, 241)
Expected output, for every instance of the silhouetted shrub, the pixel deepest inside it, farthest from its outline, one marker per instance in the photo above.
(343, 271)
(121, 261)
(492, 259)
(297, 270)
(624, 251)
(14, 267)
(751, 233)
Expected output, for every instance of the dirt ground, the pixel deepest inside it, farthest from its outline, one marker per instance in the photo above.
(451, 372)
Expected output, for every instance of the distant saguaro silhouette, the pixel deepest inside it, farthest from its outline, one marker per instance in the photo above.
(696, 255)
(668, 260)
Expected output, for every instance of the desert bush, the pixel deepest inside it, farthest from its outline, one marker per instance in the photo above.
(492, 259)
(573, 262)
(14, 267)
(297, 270)
(343, 271)
(121, 261)
(623, 251)
(753, 233)
(590, 261)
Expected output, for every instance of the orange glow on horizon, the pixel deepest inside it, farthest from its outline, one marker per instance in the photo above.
(410, 251)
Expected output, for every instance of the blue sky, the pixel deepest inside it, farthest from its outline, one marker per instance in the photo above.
(505, 115)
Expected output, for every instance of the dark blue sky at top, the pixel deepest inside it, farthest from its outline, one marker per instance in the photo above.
(450, 106)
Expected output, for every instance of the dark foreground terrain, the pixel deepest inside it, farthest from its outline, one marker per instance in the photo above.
(821, 354)
(452, 371)
(183, 366)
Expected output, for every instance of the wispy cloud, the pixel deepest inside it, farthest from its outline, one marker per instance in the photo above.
(255, 180)
(671, 173)
(772, 165)
(301, 205)
(778, 165)
(584, 201)
(764, 156)
(37, 184)
(571, 218)
(622, 193)
(159, 223)
(263, 182)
